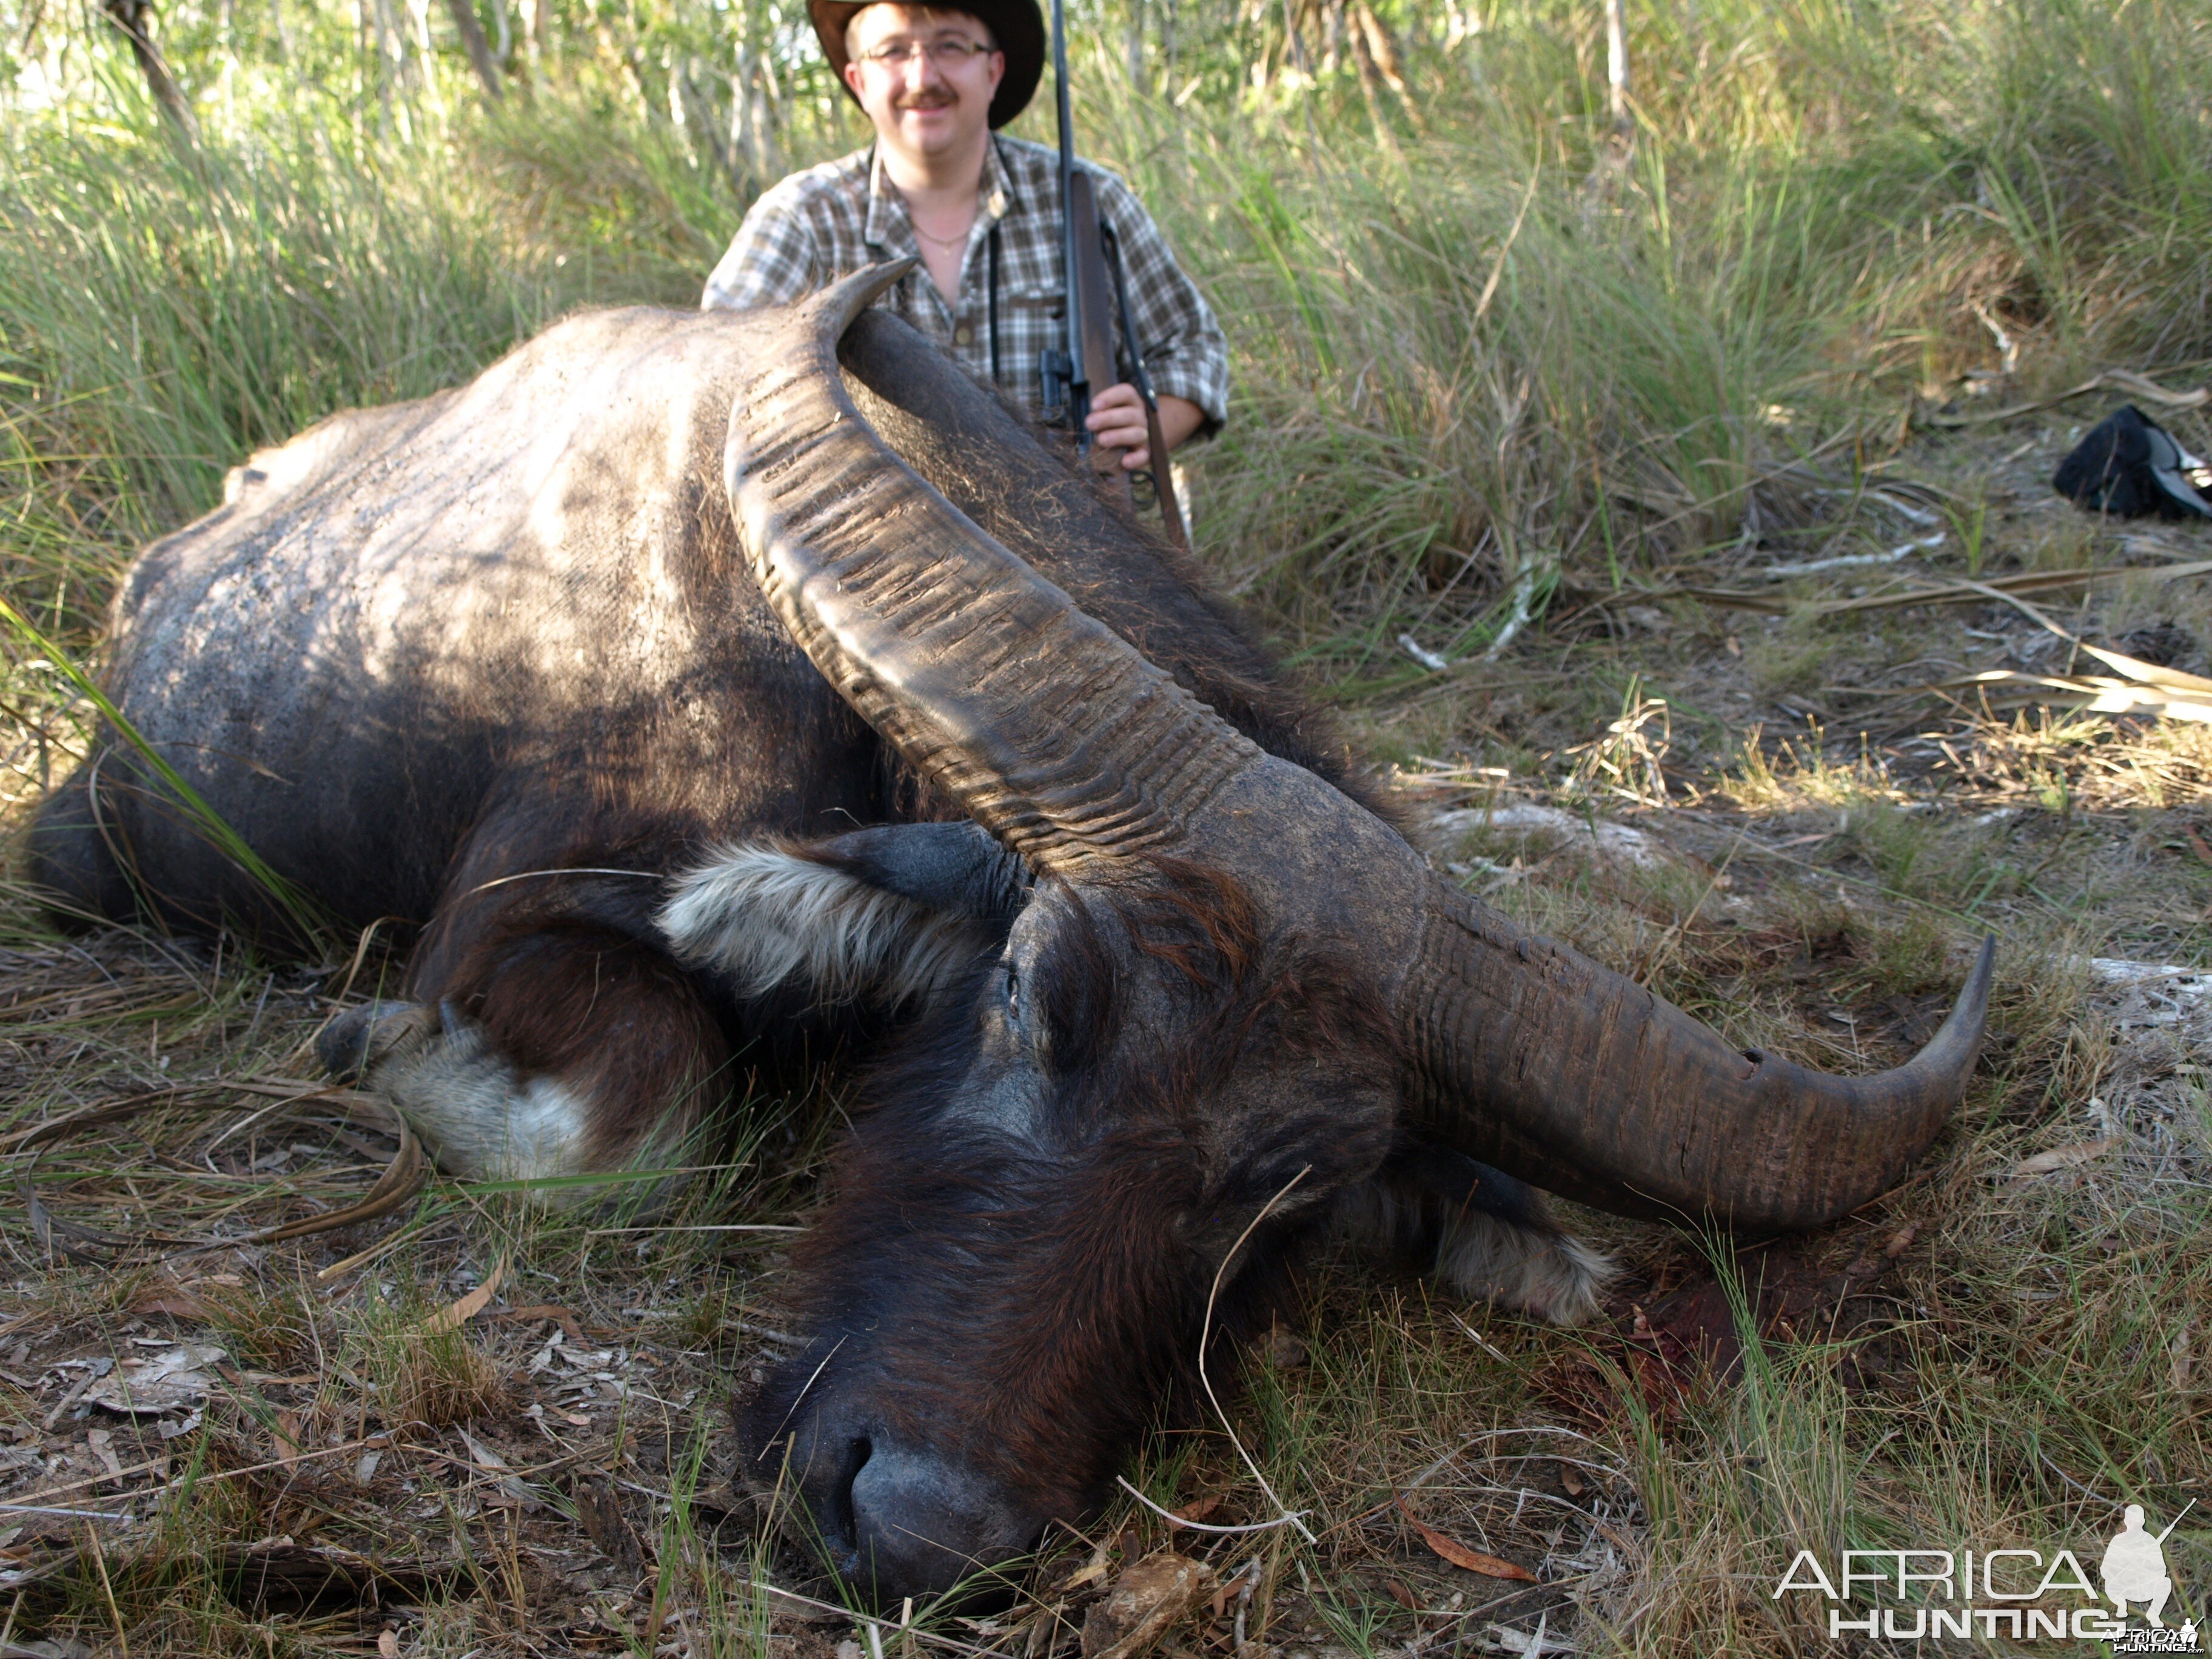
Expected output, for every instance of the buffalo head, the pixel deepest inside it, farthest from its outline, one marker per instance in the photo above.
(1183, 984)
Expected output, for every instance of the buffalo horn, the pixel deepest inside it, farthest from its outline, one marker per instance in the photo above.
(1537, 1059)
(1063, 741)
(936, 633)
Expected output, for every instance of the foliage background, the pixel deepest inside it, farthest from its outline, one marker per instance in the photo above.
(1483, 336)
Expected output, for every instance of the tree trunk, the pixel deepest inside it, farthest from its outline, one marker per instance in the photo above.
(754, 96)
(426, 55)
(472, 38)
(132, 17)
(1381, 49)
(1362, 58)
(533, 40)
(391, 64)
(679, 116)
(699, 95)
(1616, 66)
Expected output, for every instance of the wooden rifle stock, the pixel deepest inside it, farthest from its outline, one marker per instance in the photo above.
(1094, 351)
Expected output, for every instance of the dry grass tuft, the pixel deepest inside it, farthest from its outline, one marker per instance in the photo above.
(1790, 775)
(2059, 760)
(430, 1374)
(270, 1327)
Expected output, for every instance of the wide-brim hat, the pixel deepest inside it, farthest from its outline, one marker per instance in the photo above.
(1017, 25)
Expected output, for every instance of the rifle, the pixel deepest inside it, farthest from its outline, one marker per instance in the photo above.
(1085, 357)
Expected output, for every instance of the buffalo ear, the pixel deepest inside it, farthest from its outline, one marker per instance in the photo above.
(955, 868)
(888, 916)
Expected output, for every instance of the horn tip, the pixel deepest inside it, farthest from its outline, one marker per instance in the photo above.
(836, 305)
(1969, 1014)
(1984, 968)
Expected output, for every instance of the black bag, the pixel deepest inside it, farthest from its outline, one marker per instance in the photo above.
(2128, 467)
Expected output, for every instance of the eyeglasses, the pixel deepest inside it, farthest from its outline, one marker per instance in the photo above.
(948, 54)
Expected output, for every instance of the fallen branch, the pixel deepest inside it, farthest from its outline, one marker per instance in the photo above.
(2113, 379)
(2148, 689)
(1960, 592)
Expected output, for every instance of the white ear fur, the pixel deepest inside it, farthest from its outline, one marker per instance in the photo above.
(768, 915)
(1544, 1273)
(1553, 1276)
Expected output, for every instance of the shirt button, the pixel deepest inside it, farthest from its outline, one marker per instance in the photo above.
(964, 335)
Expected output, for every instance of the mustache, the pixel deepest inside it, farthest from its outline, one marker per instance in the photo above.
(934, 99)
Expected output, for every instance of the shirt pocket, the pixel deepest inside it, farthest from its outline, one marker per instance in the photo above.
(1022, 301)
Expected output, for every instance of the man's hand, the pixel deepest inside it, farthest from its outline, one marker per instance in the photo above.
(1117, 421)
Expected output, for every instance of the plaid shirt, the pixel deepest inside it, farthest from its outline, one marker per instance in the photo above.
(831, 220)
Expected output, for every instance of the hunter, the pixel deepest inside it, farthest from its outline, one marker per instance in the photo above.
(981, 210)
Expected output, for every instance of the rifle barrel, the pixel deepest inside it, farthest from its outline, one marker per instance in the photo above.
(1079, 384)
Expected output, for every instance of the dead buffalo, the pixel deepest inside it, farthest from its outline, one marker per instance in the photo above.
(912, 735)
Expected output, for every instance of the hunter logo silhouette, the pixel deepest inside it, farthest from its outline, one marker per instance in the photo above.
(2134, 1568)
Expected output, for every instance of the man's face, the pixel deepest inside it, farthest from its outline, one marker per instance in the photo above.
(926, 78)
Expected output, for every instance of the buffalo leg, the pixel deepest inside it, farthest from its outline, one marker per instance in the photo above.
(72, 866)
(561, 1051)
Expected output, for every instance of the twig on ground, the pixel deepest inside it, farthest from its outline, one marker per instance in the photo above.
(1199, 1526)
(1957, 592)
(81, 1514)
(1205, 1334)
(2114, 379)
(1810, 567)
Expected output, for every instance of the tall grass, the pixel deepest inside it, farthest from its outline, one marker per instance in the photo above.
(1821, 206)
(163, 312)
(1481, 345)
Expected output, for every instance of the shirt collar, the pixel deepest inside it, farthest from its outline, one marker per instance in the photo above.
(998, 186)
(887, 226)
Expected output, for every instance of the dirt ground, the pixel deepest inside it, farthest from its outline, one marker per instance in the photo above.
(468, 1426)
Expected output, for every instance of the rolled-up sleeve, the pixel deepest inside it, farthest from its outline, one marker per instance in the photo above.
(772, 259)
(1185, 352)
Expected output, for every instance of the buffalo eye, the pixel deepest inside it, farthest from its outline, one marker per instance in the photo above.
(1013, 993)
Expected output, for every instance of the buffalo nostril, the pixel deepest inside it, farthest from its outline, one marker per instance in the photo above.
(920, 1526)
(838, 1525)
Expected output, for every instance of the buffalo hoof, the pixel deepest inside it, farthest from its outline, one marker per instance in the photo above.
(357, 1039)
